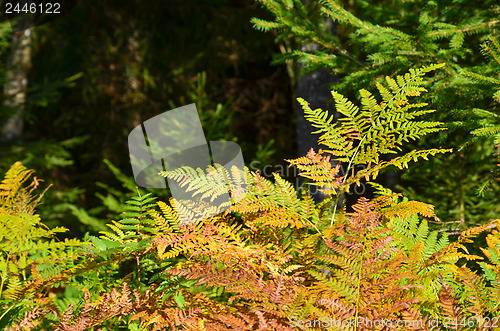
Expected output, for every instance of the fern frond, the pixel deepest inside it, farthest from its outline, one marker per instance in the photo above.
(405, 208)
(363, 135)
(14, 198)
(465, 236)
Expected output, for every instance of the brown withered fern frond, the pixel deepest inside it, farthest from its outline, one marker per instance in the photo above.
(92, 313)
(363, 275)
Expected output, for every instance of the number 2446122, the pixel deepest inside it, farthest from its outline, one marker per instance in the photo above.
(33, 8)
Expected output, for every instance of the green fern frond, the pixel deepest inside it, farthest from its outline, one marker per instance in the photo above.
(217, 183)
(134, 231)
(363, 135)
(14, 198)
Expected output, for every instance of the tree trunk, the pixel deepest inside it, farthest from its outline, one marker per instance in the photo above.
(315, 89)
(16, 82)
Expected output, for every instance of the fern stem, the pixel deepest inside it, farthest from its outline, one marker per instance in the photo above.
(5, 312)
(4, 275)
(137, 257)
(345, 177)
(358, 290)
(334, 211)
(315, 227)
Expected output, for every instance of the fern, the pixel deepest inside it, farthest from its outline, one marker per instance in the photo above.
(134, 225)
(31, 256)
(269, 256)
(363, 135)
(378, 262)
(14, 198)
(207, 193)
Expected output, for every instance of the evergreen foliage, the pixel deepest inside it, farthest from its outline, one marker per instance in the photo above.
(486, 123)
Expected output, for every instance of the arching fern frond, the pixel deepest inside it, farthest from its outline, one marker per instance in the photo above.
(365, 133)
